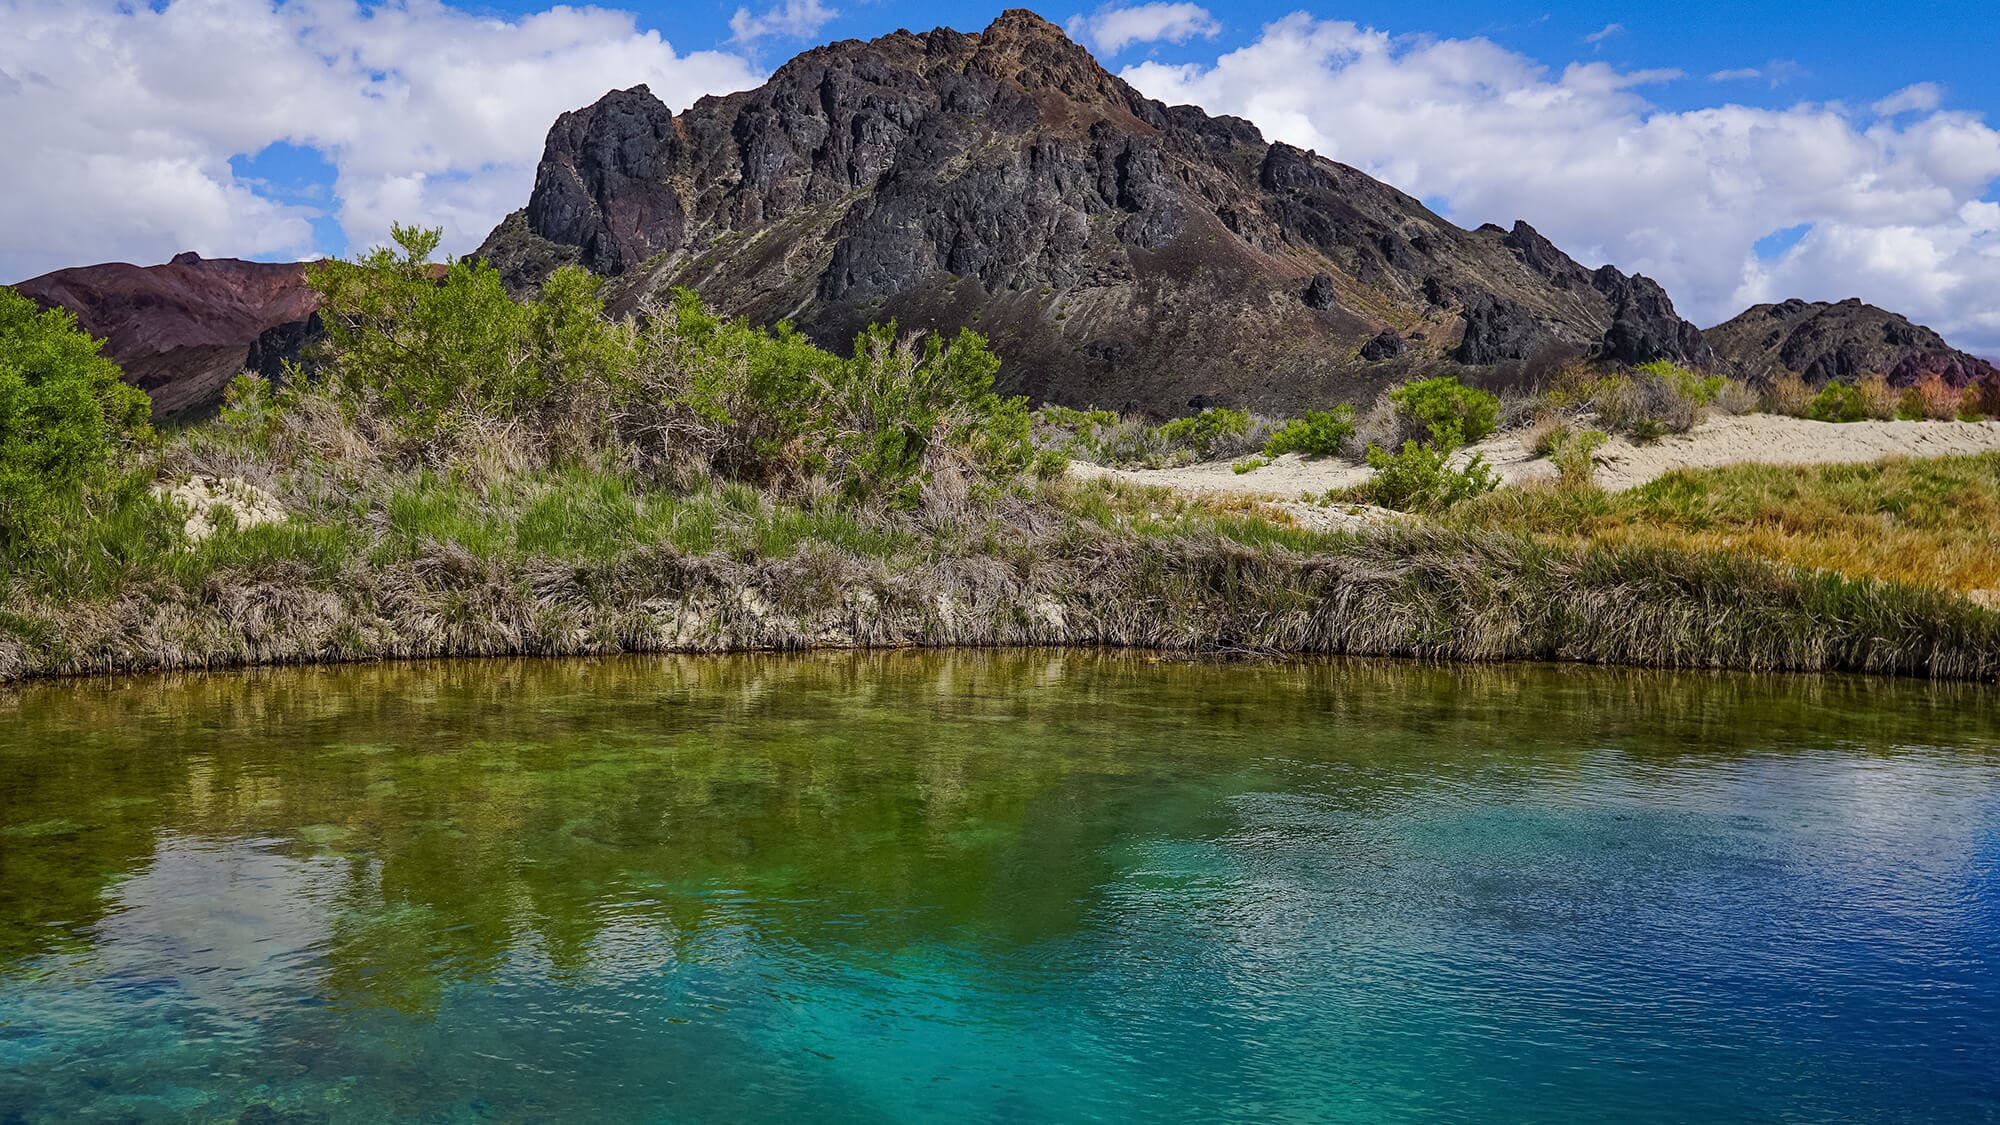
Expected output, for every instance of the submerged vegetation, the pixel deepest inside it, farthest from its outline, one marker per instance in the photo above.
(468, 474)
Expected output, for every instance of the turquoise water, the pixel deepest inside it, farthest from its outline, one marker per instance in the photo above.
(997, 888)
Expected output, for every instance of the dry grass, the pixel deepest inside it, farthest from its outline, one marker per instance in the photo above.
(1924, 522)
(1437, 594)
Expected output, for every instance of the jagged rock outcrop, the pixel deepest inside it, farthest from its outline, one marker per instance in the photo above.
(1823, 340)
(181, 331)
(1118, 251)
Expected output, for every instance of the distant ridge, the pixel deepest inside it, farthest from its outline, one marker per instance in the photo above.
(182, 330)
(1119, 252)
(1826, 340)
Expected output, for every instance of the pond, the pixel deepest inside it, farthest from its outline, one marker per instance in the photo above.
(997, 887)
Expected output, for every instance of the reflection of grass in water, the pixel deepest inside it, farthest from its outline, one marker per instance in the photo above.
(59, 826)
(965, 793)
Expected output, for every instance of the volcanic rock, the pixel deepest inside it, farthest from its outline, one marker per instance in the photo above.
(1119, 252)
(1823, 341)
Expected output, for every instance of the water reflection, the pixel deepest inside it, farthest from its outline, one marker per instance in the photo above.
(926, 885)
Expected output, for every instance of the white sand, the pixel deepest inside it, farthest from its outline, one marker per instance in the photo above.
(1752, 438)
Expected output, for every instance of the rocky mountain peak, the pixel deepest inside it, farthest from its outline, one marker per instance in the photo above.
(1029, 51)
(1119, 252)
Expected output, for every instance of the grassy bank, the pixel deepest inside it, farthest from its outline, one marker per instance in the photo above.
(444, 572)
(1924, 522)
(470, 476)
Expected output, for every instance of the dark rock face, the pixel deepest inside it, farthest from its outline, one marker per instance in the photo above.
(1389, 344)
(1823, 341)
(1119, 252)
(1643, 325)
(601, 185)
(1320, 293)
(181, 331)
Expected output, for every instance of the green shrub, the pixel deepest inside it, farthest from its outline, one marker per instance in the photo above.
(892, 405)
(1575, 457)
(430, 342)
(1444, 401)
(1248, 465)
(1838, 402)
(1319, 433)
(1692, 386)
(1204, 432)
(1421, 479)
(64, 412)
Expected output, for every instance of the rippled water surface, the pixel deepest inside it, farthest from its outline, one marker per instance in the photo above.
(1006, 887)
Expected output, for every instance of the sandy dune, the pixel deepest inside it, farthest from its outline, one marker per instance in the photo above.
(1760, 438)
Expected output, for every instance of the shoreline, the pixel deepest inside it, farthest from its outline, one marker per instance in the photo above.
(1405, 592)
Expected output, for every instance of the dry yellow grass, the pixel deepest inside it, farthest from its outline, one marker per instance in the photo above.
(1932, 522)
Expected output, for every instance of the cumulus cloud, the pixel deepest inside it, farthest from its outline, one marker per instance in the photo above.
(122, 119)
(1112, 29)
(1920, 98)
(1897, 206)
(793, 19)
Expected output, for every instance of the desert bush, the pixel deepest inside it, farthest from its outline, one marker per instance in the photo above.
(1422, 479)
(1206, 435)
(883, 420)
(1971, 404)
(64, 413)
(1318, 433)
(1575, 458)
(1789, 395)
(1930, 397)
(1838, 402)
(1654, 400)
(1879, 400)
(1547, 433)
(1380, 425)
(1736, 397)
(1444, 402)
(433, 351)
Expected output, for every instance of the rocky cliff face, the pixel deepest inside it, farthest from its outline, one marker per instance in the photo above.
(1824, 341)
(181, 331)
(1119, 252)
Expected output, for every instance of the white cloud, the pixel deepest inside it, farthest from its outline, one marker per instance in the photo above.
(121, 120)
(1740, 74)
(1896, 206)
(1609, 30)
(1112, 29)
(792, 19)
(1920, 98)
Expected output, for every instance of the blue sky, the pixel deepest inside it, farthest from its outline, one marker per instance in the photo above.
(1833, 51)
(1737, 152)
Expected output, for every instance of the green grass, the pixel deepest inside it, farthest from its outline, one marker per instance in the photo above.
(1927, 522)
(1847, 568)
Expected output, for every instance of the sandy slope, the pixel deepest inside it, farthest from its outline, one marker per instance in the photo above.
(1765, 438)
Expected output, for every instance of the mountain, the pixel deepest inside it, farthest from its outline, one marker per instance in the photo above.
(1119, 252)
(1823, 340)
(181, 331)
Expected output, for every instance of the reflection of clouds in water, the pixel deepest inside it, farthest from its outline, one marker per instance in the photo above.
(230, 925)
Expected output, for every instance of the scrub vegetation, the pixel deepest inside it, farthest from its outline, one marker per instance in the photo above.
(465, 474)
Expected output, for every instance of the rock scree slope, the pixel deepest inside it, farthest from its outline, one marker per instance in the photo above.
(1119, 252)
